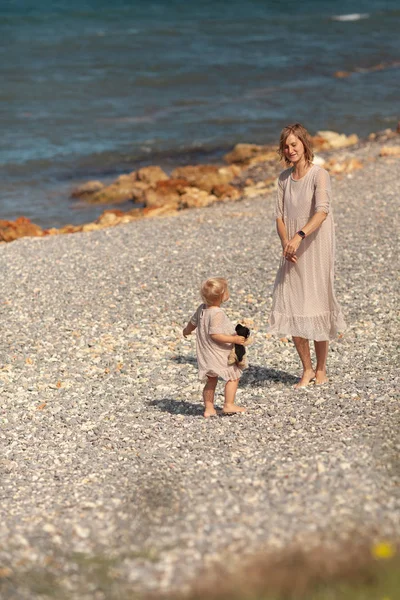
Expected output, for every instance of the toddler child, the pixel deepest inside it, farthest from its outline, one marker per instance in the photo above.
(214, 340)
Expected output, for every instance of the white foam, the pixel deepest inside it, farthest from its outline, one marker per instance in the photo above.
(351, 17)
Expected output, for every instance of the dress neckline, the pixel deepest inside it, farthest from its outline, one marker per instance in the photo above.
(305, 175)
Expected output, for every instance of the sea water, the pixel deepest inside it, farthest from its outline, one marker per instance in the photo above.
(94, 88)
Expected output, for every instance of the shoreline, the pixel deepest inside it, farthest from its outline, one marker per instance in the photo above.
(249, 170)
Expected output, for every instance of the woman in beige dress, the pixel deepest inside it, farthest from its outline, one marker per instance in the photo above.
(304, 303)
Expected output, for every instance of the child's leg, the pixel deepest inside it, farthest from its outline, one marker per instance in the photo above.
(208, 396)
(230, 393)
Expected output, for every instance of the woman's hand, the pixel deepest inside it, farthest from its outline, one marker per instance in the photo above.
(290, 249)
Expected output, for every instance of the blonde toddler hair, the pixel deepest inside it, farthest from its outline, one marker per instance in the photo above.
(213, 289)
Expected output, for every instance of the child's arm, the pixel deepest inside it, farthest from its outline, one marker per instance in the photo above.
(188, 329)
(221, 338)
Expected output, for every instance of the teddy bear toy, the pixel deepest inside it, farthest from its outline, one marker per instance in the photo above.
(238, 352)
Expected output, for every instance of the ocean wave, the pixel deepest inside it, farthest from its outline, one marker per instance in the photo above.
(351, 17)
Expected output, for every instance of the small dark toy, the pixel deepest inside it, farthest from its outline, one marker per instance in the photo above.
(237, 354)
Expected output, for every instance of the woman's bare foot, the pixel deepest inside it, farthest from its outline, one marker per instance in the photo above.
(307, 378)
(232, 408)
(320, 377)
(210, 412)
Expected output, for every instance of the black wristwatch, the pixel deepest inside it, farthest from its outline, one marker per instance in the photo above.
(301, 234)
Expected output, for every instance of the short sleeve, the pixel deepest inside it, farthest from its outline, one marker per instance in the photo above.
(217, 323)
(279, 200)
(322, 191)
(194, 319)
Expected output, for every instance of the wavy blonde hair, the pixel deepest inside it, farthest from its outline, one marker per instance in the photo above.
(300, 132)
(213, 289)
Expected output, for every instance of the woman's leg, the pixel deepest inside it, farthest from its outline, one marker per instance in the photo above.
(230, 393)
(321, 351)
(303, 349)
(208, 396)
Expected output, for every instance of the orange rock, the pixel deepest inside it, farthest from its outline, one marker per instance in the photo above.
(335, 167)
(260, 188)
(264, 157)
(21, 227)
(195, 198)
(86, 189)
(342, 74)
(244, 153)
(70, 229)
(151, 175)
(327, 140)
(390, 151)
(205, 177)
(158, 211)
(226, 191)
(165, 193)
(91, 227)
(123, 189)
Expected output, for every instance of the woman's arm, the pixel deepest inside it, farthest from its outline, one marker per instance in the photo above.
(281, 229)
(292, 245)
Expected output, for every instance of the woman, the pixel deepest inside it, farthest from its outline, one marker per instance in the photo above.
(304, 303)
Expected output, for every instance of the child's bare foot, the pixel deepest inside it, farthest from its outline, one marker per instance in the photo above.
(307, 378)
(229, 409)
(210, 412)
(320, 377)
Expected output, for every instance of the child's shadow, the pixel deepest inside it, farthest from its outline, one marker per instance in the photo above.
(178, 407)
(255, 374)
(187, 359)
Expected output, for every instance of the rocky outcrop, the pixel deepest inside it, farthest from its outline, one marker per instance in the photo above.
(87, 189)
(340, 167)
(151, 175)
(206, 177)
(252, 190)
(330, 140)
(247, 154)
(123, 189)
(165, 193)
(390, 151)
(225, 191)
(128, 187)
(21, 227)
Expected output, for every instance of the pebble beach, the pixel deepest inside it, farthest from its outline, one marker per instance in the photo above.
(112, 481)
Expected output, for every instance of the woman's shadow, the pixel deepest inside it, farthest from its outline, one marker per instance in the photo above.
(255, 374)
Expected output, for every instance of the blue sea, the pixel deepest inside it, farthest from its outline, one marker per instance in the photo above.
(94, 88)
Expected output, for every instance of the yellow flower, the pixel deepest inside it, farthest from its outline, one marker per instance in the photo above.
(383, 550)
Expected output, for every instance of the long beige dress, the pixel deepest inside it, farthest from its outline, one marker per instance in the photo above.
(304, 302)
(212, 357)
